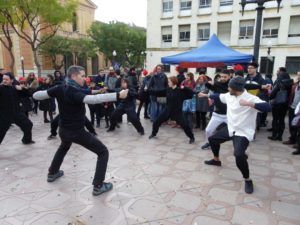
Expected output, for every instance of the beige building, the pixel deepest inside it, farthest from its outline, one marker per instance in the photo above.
(84, 18)
(175, 26)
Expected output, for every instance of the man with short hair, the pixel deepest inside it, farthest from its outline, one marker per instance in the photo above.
(71, 103)
(242, 109)
(219, 115)
(10, 110)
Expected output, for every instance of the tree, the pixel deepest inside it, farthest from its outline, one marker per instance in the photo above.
(83, 48)
(7, 40)
(56, 47)
(31, 18)
(128, 41)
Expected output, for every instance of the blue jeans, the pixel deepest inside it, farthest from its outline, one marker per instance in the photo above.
(155, 108)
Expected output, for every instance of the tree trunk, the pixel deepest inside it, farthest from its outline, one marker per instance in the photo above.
(36, 61)
(12, 57)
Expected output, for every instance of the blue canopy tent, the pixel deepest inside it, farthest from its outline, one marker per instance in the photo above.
(212, 54)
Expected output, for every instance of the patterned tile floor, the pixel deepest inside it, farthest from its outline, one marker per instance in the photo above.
(158, 181)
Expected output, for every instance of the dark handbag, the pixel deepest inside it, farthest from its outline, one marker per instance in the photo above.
(281, 97)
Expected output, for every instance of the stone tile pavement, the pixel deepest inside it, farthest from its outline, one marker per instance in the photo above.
(159, 181)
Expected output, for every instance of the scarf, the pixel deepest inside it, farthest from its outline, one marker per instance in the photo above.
(73, 83)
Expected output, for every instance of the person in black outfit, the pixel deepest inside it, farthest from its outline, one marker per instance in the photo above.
(45, 105)
(71, 103)
(144, 95)
(279, 110)
(126, 106)
(10, 110)
(180, 76)
(175, 97)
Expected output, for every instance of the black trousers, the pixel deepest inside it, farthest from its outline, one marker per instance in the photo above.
(293, 130)
(86, 140)
(55, 122)
(278, 123)
(145, 101)
(95, 112)
(240, 145)
(131, 116)
(21, 121)
(165, 116)
(201, 119)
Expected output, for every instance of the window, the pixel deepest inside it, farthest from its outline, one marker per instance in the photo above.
(226, 2)
(74, 22)
(167, 68)
(294, 29)
(167, 6)
(271, 27)
(204, 3)
(292, 64)
(184, 33)
(201, 69)
(166, 34)
(224, 31)
(203, 32)
(246, 29)
(185, 5)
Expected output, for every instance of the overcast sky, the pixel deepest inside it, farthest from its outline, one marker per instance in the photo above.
(128, 11)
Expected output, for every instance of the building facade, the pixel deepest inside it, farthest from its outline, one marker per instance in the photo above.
(175, 26)
(83, 19)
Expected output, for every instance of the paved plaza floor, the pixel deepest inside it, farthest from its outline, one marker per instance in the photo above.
(161, 181)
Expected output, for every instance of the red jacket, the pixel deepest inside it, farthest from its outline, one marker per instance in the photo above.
(292, 94)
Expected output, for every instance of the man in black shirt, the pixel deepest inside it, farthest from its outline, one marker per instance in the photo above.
(71, 104)
(10, 110)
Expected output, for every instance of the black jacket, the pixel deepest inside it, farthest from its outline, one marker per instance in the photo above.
(254, 86)
(219, 88)
(144, 94)
(130, 100)
(283, 82)
(158, 84)
(10, 105)
(175, 98)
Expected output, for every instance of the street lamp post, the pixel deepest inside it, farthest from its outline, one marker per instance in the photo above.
(22, 62)
(259, 9)
(269, 57)
(114, 53)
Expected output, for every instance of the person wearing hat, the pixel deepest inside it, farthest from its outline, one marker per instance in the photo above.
(10, 110)
(242, 109)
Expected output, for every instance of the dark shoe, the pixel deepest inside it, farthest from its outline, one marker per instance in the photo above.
(46, 121)
(142, 132)
(270, 129)
(192, 140)
(272, 138)
(296, 152)
(295, 146)
(53, 177)
(105, 187)
(289, 142)
(110, 129)
(98, 125)
(152, 136)
(248, 186)
(28, 143)
(117, 126)
(213, 162)
(51, 137)
(197, 127)
(206, 146)
(146, 117)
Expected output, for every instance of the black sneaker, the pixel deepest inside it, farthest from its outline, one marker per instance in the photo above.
(296, 152)
(248, 186)
(105, 187)
(192, 140)
(206, 146)
(213, 162)
(53, 177)
(51, 137)
(142, 132)
(28, 142)
(152, 136)
(110, 130)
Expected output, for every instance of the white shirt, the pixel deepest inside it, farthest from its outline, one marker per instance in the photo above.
(241, 119)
